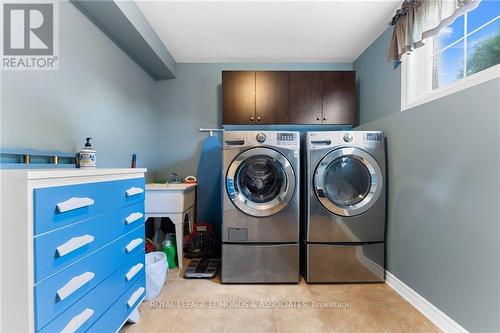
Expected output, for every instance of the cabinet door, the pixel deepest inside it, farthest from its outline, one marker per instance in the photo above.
(238, 97)
(271, 97)
(305, 98)
(339, 98)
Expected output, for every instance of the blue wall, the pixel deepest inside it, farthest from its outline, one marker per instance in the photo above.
(443, 214)
(97, 91)
(193, 100)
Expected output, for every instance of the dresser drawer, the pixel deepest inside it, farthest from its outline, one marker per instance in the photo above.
(60, 248)
(115, 316)
(57, 293)
(55, 207)
(91, 306)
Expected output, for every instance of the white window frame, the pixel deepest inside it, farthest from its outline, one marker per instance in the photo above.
(410, 99)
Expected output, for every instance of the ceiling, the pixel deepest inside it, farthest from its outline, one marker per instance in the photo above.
(268, 31)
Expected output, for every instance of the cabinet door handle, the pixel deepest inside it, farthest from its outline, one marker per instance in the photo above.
(134, 191)
(133, 271)
(133, 217)
(133, 244)
(135, 296)
(74, 284)
(74, 244)
(77, 321)
(74, 203)
(258, 118)
(325, 118)
(252, 118)
(318, 118)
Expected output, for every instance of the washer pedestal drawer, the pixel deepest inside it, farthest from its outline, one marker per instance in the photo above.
(249, 263)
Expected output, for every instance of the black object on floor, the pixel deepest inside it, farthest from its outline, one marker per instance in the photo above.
(202, 242)
(202, 269)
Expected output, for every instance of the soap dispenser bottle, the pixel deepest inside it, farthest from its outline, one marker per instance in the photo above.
(87, 156)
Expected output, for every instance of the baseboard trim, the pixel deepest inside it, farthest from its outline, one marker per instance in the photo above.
(438, 317)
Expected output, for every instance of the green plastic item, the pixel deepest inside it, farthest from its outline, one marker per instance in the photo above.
(169, 250)
(172, 239)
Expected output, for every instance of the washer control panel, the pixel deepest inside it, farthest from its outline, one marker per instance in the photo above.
(239, 139)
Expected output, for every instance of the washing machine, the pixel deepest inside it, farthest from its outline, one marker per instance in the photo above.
(261, 213)
(345, 207)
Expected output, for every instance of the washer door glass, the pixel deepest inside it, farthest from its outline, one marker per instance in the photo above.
(260, 182)
(347, 181)
(261, 178)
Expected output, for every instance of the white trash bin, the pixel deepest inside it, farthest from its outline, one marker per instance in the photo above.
(156, 272)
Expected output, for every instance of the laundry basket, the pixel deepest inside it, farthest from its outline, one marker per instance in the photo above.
(156, 272)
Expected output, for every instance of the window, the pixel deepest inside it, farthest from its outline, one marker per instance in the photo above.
(465, 53)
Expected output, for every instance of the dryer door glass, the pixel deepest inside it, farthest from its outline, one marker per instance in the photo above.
(347, 181)
(260, 182)
(261, 178)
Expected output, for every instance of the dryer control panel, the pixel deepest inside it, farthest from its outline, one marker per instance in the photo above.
(321, 140)
(283, 139)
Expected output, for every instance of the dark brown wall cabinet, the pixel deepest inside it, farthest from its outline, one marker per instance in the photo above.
(299, 97)
(238, 97)
(271, 97)
(305, 103)
(339, 98)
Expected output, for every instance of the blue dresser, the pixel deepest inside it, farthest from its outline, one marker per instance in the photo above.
(72, 249)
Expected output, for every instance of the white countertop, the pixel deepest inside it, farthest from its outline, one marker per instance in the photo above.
(70, 172)
(169, 187)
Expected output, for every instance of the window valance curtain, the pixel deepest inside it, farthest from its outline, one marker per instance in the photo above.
(417, 20)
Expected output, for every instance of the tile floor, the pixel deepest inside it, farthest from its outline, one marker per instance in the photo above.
(209, 306)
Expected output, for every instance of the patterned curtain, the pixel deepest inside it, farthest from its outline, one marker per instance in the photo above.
(417, 20)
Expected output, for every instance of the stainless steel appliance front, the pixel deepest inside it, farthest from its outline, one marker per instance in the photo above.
(345, 263)
(345, 186)
(260, 202)
(348, 181)
(260, 182)
(271, 263)
(344, 204)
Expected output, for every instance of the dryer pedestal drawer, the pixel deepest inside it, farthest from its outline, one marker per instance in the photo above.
(345, 263)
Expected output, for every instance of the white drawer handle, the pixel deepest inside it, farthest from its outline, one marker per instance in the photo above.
(133, 217)
(135, 296)
(133, 244)
(74, 203)
(77, 321)
(74, 284)
(74, 244)
(134, 190)
(133, 271)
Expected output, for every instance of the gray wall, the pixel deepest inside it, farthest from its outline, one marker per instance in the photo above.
(97, 91)
(193, 100)
(444, 214)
